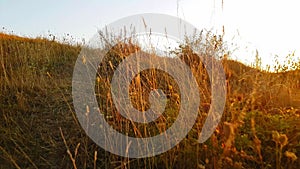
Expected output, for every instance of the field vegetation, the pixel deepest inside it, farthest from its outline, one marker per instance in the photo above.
(260, 126)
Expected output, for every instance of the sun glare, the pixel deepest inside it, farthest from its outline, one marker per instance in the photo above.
(251, 27)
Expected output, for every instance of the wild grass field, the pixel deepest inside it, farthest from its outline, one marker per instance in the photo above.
(260, 126)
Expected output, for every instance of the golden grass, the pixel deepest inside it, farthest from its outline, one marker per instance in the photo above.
(260, 127)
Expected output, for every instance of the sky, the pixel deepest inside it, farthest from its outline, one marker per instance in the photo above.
(269, 26)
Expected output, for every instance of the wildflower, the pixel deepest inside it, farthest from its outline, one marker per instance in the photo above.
(291, 155)
(206, 160)
(283, 140)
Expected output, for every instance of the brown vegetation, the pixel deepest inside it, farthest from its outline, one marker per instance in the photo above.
(39, 129)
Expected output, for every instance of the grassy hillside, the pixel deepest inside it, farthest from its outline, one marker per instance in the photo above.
(35, 92)
(260, 127)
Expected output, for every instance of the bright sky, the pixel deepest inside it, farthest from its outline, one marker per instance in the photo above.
(270, 26)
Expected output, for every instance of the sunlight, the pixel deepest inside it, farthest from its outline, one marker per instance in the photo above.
(159, 44)
(266, 26)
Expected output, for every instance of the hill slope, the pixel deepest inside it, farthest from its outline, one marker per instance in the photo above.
(37, 114)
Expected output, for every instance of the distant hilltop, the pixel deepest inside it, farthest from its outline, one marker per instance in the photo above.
(270, 90)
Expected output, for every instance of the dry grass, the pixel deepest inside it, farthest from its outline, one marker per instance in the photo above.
(259, 128)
